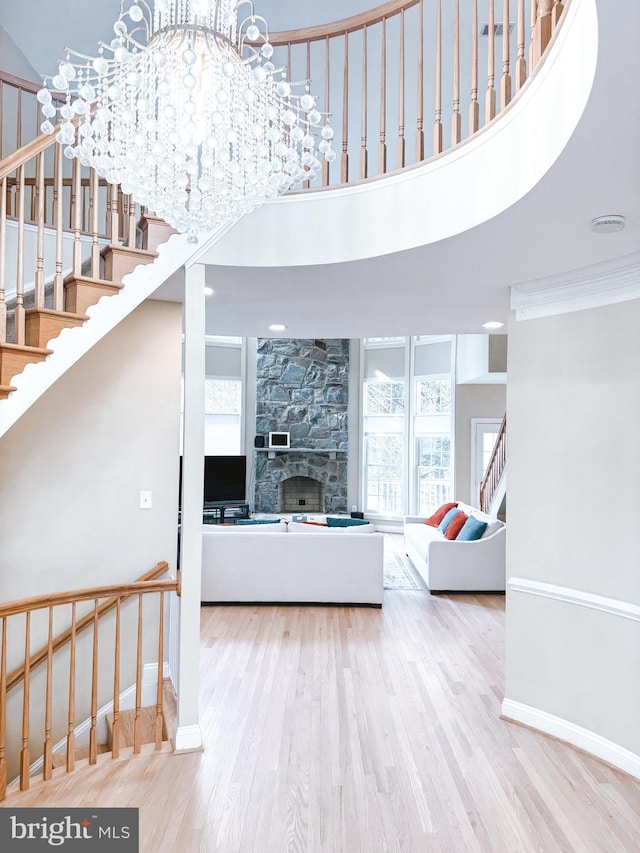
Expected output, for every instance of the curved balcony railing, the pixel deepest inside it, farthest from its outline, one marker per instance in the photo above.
(403, 82)
(412, 78)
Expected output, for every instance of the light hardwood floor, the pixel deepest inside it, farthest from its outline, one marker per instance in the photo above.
(354, 730)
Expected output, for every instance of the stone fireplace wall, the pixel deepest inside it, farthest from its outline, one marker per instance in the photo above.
(302, 388)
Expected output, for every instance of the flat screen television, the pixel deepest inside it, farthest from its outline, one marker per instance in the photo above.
(225, 479)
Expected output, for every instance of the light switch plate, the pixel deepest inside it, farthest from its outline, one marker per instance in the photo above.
(145, 500)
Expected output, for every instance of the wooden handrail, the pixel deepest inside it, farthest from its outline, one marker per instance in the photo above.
(20, 82)
(27, 152)
(145, 583)
(343, 26)
(37, 602)
(495, 468)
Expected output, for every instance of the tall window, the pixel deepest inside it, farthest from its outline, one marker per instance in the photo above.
(384, 406)
(433, 427)
(407, 424)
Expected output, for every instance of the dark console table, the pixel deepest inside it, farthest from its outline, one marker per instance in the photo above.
(227, 512)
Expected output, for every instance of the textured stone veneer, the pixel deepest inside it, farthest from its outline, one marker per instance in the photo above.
(302, 388)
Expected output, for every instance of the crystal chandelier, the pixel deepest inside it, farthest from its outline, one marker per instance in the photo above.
(185, 109)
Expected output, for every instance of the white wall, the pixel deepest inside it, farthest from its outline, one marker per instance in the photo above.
(573, 621)
(472, 401)
(72, 469)
(13, 60)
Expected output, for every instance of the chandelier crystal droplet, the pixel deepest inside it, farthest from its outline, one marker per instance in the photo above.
(186, 111)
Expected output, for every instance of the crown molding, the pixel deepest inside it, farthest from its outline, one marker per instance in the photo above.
(605, 283)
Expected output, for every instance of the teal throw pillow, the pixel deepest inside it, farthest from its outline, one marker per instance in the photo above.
(446, 521)
(345, 522)
(472, 529)
(258, 521)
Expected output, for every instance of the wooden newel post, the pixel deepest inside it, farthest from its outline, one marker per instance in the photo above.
(543, 28)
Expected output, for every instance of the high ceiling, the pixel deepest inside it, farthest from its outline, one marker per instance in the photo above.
(450, 286)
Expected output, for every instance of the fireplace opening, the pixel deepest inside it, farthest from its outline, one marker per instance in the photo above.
(300, 494)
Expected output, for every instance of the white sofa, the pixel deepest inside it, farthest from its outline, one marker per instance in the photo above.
(292, 563)
(457, 566)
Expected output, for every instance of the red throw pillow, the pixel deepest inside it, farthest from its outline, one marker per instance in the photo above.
(456, 525)
(439, 514)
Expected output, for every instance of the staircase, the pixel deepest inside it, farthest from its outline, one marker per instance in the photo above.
(76, 257)
(493, 489)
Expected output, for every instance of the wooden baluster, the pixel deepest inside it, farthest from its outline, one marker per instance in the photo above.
(533, 17)
(456, 119)
(490, 105)
(3, 712)
(437, 127)
(420, 111)
(58, 205)
(306, 184)
(113, 227)
(19, 120)
(24, 752)
(505, 82)
(556, 14)
(76, 208)
(382, 150)
(115, 739)
(474, 106)
(521, 64)
(160, 674)
(3, 260)
(543, 28)
(39, 278)
(400, 159)
(94, 212)
(364, 158)
(137, 741)
(48, 713)
(19, 330)
(71, 721)
(344, 162)
(93, 731)
(327, 92)
(131, 233)
(121, 216)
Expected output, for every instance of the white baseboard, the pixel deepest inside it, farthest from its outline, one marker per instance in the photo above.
(127, 702)
(188, 739)
(596, 745)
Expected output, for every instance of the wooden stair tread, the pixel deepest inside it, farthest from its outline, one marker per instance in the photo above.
(50, 312)
(5, 390)
(86, 279)
(116, 247)
(22, 348)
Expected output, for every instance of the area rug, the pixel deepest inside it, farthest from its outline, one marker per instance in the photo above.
(398, 574)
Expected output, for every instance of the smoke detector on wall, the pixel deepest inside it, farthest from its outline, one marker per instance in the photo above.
(607, 224)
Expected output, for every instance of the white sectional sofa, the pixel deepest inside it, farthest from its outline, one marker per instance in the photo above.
(292, 563)
(456, 566)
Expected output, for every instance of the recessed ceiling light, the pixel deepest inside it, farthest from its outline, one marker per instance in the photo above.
(493, 324)
(277, 327)
(209, 291)
(607, 224)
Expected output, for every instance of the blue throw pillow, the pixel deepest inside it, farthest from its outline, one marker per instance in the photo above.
(345, 522)
(472, 529)
(258, 521)
(446, 521)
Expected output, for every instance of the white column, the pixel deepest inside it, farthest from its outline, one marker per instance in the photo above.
(188, 733)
